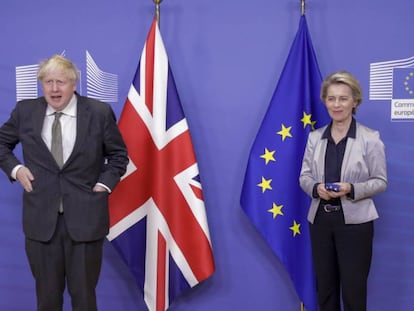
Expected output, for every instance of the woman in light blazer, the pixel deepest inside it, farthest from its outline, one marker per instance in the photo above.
(343, 167)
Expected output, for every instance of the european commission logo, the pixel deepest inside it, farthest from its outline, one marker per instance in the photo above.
(100, 85)
(394, 81)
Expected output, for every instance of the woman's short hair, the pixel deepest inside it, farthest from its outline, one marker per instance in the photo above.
(343, 77)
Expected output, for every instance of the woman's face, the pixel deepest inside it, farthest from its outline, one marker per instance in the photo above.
(339, 102)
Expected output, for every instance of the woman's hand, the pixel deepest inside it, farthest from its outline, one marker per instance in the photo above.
(323, 193)
(344, 189)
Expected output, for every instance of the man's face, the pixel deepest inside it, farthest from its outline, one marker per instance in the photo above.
(57, 88)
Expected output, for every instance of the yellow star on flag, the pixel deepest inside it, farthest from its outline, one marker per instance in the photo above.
(276, 210)
(306, 119)
(268, 155)
(265, 184)
(313, 125)
(295, 228)
(285, 132)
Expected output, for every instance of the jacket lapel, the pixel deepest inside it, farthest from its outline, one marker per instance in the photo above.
(320, 155)
(38, 118)
(350, 143)
(82, 122)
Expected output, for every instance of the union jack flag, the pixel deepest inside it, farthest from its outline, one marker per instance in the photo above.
(157, 212)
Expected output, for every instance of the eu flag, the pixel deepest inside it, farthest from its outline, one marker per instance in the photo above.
(271, 196)
(403, 83)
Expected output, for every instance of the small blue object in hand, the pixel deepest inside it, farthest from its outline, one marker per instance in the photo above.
(332, 187)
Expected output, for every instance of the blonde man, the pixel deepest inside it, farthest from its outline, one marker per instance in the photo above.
(74, 156)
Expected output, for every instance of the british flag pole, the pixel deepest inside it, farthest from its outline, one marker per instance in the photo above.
(158, 220)
(157, 10)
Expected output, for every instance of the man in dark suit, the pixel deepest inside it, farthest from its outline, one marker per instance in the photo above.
(71, 164)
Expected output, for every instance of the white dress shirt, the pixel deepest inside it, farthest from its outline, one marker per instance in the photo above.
(68, 124)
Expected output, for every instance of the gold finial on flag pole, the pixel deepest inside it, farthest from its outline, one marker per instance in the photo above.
(302, 4)
(157, 10)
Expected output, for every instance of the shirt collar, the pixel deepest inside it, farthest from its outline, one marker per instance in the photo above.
(69, 110)
(351, 131)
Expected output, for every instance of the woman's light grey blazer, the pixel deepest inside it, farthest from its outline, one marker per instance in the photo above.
(364, 166)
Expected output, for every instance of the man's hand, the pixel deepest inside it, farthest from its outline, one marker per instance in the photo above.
(25, 177)
(99, 188)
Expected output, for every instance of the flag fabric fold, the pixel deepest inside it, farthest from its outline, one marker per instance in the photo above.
(271, 195)
(158, 220)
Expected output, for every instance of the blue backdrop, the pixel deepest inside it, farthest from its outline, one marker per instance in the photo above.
(226, 57)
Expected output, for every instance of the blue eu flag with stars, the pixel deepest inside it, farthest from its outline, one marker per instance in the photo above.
(403, 83)
(271, 195)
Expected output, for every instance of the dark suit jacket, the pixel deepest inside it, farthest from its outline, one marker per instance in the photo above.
(99, 155)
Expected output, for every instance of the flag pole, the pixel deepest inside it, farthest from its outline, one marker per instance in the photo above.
(302, 6)
(157, 10)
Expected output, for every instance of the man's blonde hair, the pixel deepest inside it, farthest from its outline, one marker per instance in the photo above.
(58, 62)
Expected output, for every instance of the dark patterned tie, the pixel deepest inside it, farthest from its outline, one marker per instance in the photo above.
(56, 148)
